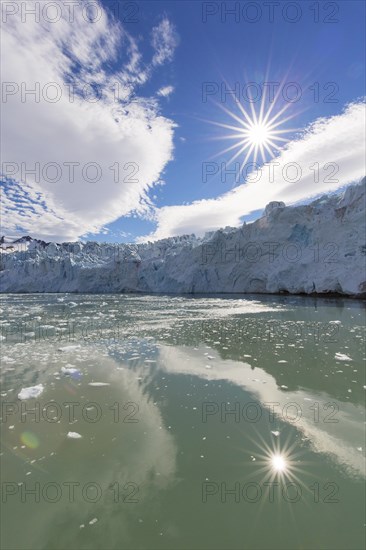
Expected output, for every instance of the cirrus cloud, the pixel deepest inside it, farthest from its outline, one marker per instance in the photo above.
(164, 41)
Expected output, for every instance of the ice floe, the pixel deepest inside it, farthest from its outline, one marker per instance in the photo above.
(74, 435)
(31, 392)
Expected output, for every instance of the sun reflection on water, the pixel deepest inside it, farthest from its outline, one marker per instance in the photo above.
(279, 463)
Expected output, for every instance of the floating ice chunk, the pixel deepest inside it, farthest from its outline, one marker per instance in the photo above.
(69, 369)
(7, 359)
(342, 357)
(98, 384)
(284, 387)
(92, 521)
(208, 367)
(31, 392)
(68, 348)
(74, 435)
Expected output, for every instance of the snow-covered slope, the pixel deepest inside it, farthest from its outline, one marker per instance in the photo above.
(314, 248)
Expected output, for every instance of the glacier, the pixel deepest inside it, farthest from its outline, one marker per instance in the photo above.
(313, 248)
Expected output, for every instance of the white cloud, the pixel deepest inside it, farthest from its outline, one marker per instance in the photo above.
(339, 140)
(164, 41)
(113, 128)
(166, 91)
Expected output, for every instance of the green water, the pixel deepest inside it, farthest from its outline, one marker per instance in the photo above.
(222, 423)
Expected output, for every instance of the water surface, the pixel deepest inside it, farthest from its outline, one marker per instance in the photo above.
(205, 423)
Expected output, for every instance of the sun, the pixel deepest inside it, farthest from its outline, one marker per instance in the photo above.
(258, 132)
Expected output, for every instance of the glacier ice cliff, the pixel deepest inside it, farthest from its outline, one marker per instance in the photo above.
(307, 249)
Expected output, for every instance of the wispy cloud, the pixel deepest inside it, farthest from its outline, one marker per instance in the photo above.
(98, 128)
(337, 143)
(164, 41)
(166, 91)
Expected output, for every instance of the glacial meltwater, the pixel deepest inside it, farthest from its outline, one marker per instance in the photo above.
(169, 422)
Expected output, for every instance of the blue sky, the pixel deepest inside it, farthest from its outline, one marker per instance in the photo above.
(322, 53)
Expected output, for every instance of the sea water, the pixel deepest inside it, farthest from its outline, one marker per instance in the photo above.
(172, 422)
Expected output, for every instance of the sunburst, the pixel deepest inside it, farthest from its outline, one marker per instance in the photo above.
(278, 463)
(257, 133)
